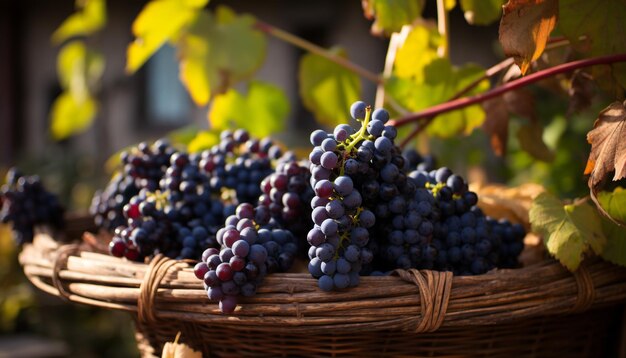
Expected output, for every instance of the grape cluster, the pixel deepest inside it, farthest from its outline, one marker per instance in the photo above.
(287, 195)
(239, 163)
(143, 168)
(25, 203)
(377, 209)
(250, 249)
(465, 240)
(178, 219)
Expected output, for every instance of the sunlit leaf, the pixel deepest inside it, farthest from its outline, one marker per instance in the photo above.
(158, 22)
(327, 89)
(71, 62)
(614, 203)
(390, 15)
(525, 28)
(450, 4)
(596, 28)
(79, 68)
(482, 12)
(203, 140)
(219, 50)
(441, 81)
(89, 18)
(262, 111)
(569, 230)
(70, 115)
(418, 50)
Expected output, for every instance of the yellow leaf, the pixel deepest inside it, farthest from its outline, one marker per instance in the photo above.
(418, 50)
(70, 116)
(158, 22)
(90, 17)
(70, 62)
(194, 73)
(203, 140)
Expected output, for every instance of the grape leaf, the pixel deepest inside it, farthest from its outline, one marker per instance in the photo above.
(212, 51)
(580, 92)
(530, 137)
(525, 28)
(449, 4)
(496, 124)
(89, 18)
(262, 111)
(615, 205)
(326, 88)
(203, 140)
(158, 22)
(596, 28)
(417, 51)
(78, 68)
(608, 147)
(608, 150)
(71, 115)
(391, 15)
(569, 231)
(482, 12)
(441, 81)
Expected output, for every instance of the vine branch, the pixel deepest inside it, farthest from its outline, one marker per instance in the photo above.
(313, 48)
(510, 86)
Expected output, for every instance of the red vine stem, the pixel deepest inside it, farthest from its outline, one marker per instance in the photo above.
(510, 86)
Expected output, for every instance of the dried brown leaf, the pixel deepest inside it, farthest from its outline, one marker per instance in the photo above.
(608, 145)
(608, 151)
(525, 28)
(580, 92)
(521, 102)
(496, 124)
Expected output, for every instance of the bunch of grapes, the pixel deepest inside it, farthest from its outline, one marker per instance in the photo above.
(376, 210)
(466, 241)
(143, 168)
(250, 249)
(239, 163)
(287, 194)
(25, 203)
(179, 219)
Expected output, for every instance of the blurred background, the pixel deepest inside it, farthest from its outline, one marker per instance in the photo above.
(152, 103)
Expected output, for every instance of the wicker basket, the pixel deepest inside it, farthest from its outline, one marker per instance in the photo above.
(541, 310)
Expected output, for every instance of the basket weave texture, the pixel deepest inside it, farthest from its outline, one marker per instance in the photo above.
(541, 310)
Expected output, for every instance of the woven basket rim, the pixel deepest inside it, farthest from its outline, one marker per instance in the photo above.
(410, 300)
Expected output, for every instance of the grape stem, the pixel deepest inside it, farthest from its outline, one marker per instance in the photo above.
(356, 138)
(507, 87)
(313, 48)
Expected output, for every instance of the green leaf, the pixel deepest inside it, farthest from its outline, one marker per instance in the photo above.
(482, 12)
(262, 111)
(615, 205)
(327, 89)
(158, 22)
(218, 51)
(569, 231)
(70, 115)
(601, 22)
(418, 50)
(391, 15)
(203, 140)
(440, 82)
(90, 17)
